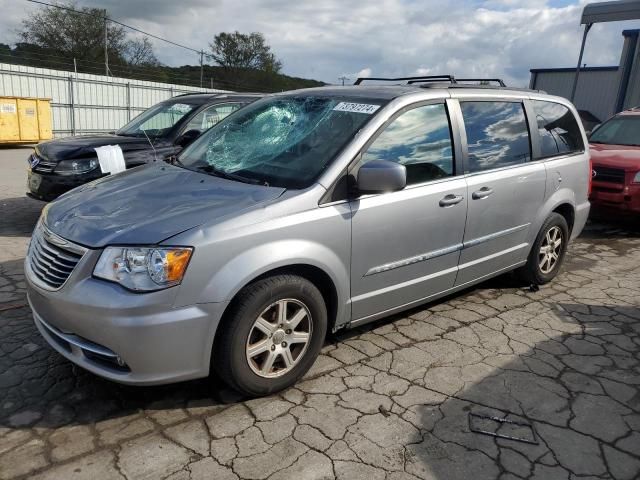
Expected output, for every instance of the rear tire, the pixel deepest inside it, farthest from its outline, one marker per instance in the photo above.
(271, 336)
(547, 253)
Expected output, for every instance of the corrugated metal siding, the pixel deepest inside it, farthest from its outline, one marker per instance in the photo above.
(597, 89)
(87, 103)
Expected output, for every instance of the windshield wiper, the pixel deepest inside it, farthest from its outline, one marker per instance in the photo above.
(211, 170)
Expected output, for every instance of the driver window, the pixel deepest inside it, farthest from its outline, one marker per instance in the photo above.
(419, 139)
(208, 117)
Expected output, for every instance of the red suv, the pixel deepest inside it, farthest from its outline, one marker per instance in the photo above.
(615, 153)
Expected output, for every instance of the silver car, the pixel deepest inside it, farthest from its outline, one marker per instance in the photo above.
(303, 213)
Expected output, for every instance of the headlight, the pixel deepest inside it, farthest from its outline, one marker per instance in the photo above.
(636, 179)
(143, 268)
(73, 167)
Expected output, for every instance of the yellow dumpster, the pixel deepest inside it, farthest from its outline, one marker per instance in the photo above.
(25, 120)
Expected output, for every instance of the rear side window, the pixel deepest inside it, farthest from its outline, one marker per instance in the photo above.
(497, 134)
(419, 139)
(557, 128)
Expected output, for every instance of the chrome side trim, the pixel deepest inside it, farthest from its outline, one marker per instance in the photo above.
(411, 260)
(76, 341)
(492, 236)
(443, 251)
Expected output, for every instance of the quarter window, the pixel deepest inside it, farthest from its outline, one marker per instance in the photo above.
(557, 128)
(497, 134)
(419, 139)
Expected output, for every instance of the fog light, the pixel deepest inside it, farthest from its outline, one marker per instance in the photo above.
(120, 362)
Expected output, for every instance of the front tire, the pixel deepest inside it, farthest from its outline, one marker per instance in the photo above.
(548, 251)
(271, 336)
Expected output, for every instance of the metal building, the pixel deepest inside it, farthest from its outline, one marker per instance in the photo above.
(602, 91)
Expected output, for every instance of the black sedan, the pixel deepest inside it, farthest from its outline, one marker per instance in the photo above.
(158, 133)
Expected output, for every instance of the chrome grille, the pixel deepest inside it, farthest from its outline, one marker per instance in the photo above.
(51, 258)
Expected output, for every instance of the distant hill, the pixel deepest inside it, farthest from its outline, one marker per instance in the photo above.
(213, 76)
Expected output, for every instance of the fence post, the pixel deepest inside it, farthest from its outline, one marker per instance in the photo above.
(128, 101)
(73, 106)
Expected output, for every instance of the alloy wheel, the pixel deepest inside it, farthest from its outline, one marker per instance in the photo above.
(550, 250)
(279, 338)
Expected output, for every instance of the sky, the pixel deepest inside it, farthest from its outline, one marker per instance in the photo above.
(328, 39)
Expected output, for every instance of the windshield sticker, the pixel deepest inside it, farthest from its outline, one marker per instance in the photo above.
(356, 107)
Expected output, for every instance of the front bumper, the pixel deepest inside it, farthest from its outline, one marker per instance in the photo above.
(130, 338)
(624, 198)
(48, 186)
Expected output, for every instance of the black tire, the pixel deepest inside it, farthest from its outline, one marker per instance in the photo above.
(531, 272)
(230, 357)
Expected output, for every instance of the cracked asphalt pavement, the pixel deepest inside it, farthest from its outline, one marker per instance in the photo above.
(388, 401)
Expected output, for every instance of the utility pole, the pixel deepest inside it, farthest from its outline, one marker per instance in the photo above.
(343, 78)
(201, 67)
(106, 48)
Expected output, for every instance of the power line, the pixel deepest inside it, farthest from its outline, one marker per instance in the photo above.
(116, 22)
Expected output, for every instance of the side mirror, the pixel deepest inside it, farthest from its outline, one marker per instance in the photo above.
(379, 176)
(187, 137)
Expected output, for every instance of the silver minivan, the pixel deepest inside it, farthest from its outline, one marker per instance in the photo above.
(306, 212)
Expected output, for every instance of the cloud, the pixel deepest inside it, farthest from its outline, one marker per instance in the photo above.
(323, 40)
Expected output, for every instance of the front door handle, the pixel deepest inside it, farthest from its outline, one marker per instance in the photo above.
(484, 192)
(450, 200)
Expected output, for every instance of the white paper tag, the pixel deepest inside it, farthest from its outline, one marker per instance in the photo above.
(111, 159)
(356, 107)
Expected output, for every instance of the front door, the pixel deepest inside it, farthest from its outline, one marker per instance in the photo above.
(406, 244)
(505, 189)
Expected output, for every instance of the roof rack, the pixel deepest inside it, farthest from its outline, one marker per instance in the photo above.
(409, 80)
(195, 93)
(430, 79)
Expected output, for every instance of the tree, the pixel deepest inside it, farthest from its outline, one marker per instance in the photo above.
(244, 51)
(80, 34)
(139, 53)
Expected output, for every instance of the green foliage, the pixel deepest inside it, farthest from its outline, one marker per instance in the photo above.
(64, 39)
(240, 51)
(79, 34)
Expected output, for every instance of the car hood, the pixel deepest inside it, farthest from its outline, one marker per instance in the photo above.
(82, 146)
(625, 157)
(149, 204)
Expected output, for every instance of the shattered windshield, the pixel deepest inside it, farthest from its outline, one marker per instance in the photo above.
(157, 121)
(284, 141)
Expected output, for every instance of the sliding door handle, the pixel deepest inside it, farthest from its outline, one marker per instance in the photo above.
(484, 192)
(450, 200)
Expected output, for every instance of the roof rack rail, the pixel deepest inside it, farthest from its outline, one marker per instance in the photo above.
(409, 80)
(482, 81)
(430, 79)
(195, 93)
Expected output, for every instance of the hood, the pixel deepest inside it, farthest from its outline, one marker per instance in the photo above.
(149, 204)
(618, 156)
(82, 146)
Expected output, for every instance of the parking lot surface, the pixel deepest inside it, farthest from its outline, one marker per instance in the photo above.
(394, 400)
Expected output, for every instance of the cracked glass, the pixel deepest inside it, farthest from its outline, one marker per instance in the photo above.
(285, 141)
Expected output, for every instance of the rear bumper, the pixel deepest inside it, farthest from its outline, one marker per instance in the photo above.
(625, 199)
(126, 337)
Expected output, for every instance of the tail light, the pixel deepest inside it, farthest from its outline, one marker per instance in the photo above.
(590, 175)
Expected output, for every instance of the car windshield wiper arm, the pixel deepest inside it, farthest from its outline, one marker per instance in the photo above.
(210, 169)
